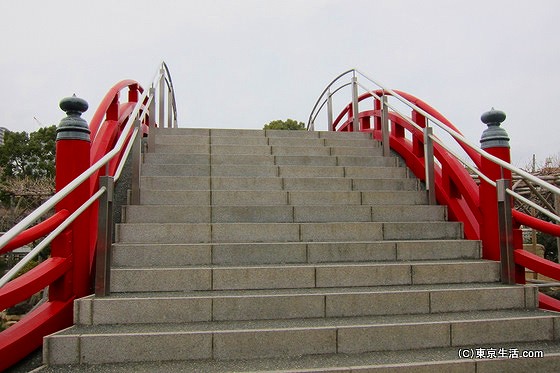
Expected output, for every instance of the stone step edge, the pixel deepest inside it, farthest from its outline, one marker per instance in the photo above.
(324, 142)
(430, 262)
(324, 303)
(400, 361)
(381, 289)
(404, 361)
(336, 323)
(386, 251)
(289, 213)
(218, 132)
(427, 241)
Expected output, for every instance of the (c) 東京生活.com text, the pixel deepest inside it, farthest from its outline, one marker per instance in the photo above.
(498, 353)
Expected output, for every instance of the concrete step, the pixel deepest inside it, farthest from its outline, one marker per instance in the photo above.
(243, 141)
(375, 150)
(244, 159)
(232, 305)
(300, 276)
(284, 232)
(281, 214)
(239, 140)
(506, 358)
(275, 183)
(166, 134)
(231, 133)
(303, 142)
(225, 149)
(243, 170)
(279, 197)
(182, 140)
(228, 132)
(257, 138)
(297, 337)
(320, 134)
(149, 169)
(170, 255)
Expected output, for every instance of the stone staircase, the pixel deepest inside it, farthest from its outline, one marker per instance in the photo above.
(295, 251)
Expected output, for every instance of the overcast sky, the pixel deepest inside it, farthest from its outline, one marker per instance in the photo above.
(244, 63)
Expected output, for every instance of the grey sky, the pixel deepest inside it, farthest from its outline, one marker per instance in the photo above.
(241, 64)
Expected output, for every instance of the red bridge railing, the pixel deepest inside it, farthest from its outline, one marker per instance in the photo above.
(77, 231)
(486, 208)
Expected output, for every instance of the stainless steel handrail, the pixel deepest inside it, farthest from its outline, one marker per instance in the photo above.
(310, 121)
(51, 202)
(120, 167)
(48, 239)
(467, 142)
(70, 187)
(460, 138)
(330, 94)
(503, 186)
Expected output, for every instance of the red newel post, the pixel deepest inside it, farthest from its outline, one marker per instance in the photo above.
(495, 141)
(72, 159)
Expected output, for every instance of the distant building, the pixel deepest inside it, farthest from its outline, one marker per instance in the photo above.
(2, 132)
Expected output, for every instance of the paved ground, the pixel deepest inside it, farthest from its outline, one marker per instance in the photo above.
(33, 361)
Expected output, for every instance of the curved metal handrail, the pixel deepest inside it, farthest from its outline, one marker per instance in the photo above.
(57, 313)
(440, 124)
(51, 236)
(310, 121)
(52, 201)
(462, 193)
(170, 84)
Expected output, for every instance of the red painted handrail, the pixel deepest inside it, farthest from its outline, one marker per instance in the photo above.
(546, 302)
(33, 281)
(108, 107)
(108, 121)
(535, 223)
(69, 272)
(36, 232)
(454, 186)
(26, 335)
(536, 263)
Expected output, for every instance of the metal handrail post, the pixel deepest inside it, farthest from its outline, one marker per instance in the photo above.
(385, 126)
(355, 103)
(162, 99)
(429, 165)
(557, 207)
(152, 128)
(136, 165)
(329, 111)
(505, 232)
(170, 123)
(104, 238)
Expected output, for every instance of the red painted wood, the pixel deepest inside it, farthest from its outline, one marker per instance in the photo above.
(538, 224)
(26, 335)
(36, 232)
(32, 282)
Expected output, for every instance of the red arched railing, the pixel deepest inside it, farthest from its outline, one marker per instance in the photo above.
(444, 172)
(68, 273)
(454, 185)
